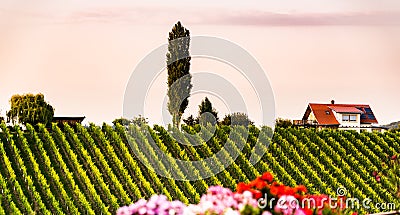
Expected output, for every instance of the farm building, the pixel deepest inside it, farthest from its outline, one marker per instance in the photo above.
(357, 117)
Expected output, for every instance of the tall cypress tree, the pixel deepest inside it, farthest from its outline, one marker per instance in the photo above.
(178, 66)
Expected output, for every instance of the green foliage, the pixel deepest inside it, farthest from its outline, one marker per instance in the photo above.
(237, 119)
(121, 121)
(29, 108)
(206, 114)
(205, 109)
(391, 170)
(283, 123)
(178, 66)
(138, 120)
(226, 120)
(190, 121)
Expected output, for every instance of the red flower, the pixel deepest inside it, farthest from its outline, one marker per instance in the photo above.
(319, 199)
(298, 196)
(342, 202)
(354, 213)
(285, 190)
(374, 173)
(253, 182)
(307, 211)
(274, 190)
(394, 157)
(301, 189)
(259, 183)
(267, 177)
(256, 194)
(241, 187)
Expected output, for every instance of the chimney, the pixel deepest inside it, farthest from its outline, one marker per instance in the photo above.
(332, 101)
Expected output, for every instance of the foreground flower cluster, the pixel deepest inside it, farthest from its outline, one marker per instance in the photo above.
(260, 196)
(157, 204)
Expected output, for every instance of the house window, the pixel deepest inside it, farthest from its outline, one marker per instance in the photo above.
(349, 118)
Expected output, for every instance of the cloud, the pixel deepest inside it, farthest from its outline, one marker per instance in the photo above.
(209, 16)
(163, 15)
(275, 19)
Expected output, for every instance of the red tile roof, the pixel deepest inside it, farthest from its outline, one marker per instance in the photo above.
(324, 115)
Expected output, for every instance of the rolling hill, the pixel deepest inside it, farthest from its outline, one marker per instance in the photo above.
(96, 169)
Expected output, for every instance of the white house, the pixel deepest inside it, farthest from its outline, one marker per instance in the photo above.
(357, 117)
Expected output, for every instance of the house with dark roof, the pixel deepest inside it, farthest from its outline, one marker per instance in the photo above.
(357, 117)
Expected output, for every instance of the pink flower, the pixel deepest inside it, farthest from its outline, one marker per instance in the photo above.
(286, 205)
(142, 210)
(219, 200)
(230, 211)
(192, 209)
(124, 211)
(247, 194)
(299, 212)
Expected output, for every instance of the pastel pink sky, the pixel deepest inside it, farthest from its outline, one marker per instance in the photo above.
(81, 54)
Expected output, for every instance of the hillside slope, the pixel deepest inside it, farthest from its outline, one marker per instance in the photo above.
(393, 125)
(94, 170)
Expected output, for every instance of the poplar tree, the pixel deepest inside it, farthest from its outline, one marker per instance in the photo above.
(179, 78)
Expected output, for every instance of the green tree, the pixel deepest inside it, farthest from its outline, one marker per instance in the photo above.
(121, 121)
(190, 121)
(206, 107)
(178, 66)
(237, 119)
(138, 120)
(283, 123)
(29, 108)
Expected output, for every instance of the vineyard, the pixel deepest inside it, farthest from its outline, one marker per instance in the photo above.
(97, 169)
